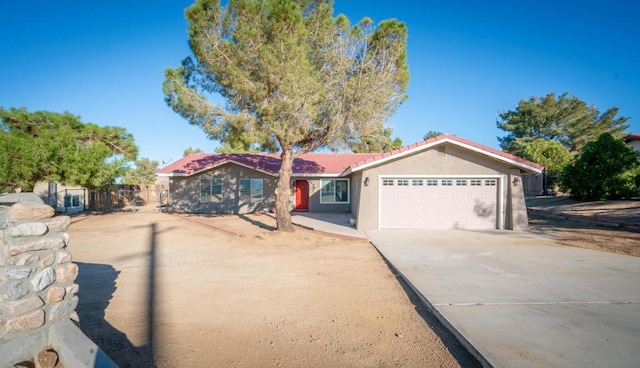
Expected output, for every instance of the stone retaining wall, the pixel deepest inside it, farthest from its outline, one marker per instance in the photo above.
(37, 276)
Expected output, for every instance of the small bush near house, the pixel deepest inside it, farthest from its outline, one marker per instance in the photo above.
(606, 169)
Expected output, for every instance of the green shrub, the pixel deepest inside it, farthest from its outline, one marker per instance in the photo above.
(606, 169)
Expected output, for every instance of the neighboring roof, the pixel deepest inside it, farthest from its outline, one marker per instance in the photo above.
(331, 164)
(631, 137)
(310, 164)
(446, 138)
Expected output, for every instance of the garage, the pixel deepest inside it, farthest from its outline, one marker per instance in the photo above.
(439, 203)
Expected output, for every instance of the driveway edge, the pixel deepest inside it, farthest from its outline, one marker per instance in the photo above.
(463, 341)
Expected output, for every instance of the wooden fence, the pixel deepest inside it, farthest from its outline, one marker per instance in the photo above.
(533, 184)
(125, 195)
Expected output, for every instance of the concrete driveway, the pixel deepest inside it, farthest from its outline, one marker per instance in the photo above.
(519, 300)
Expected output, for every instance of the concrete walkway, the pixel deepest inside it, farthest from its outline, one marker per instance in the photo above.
(519, 300)
(329, 223)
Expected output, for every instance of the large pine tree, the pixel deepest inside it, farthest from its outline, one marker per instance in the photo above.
(294, 78)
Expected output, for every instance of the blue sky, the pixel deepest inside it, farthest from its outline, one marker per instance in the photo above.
(469, 60)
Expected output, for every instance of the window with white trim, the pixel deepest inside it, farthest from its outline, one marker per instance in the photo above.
(416, 182)
(490, 182)
(447, 182)
(210, 189)
(476, 182)
(432, 182)
(334, 191)
(403, 182)
(461, 182)
(387, 182)
(250, 191)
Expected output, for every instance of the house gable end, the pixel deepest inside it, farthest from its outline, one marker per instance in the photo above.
(441, 141)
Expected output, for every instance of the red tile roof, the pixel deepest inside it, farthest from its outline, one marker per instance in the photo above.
(631, 137)
(310, 164)
(329, 164)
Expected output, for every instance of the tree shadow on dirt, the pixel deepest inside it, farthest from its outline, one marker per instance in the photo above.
(257, 223)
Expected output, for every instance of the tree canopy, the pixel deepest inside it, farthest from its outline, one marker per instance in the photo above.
(50, 146)
(564, 118)
(548, 153)
(190, 150)
(606, 169)
(431, 134)
(144, 172)
(381, 142)
(294, 78)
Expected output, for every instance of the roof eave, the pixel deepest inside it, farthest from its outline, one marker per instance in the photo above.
(429, 145)
(218, 164)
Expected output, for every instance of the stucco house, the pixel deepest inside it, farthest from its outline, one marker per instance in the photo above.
(443, 182)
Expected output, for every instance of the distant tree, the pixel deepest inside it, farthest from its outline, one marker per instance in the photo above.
(565, 119)
(606, 169)
(378, 142)
(550, 154)
(143, 173)
(42, 145)
(431, 134)
(188, 151)
(236, 147)
(294, 78)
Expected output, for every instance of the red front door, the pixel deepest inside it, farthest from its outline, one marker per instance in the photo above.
(302, 195)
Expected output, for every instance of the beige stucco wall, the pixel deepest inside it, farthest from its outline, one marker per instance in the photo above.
(517, 217)
(634, 144)
(430, 162)
(53, 195)
(184, 193)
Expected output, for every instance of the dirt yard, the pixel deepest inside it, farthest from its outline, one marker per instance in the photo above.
(588, 234)
(160, 290)
(583, 234)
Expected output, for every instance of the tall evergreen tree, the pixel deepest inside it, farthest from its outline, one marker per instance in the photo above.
(565, 119)
(294, 78)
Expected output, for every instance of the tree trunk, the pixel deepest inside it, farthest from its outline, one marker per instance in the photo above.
(283, 194)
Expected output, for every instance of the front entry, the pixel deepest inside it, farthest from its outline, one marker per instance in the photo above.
(302, 195)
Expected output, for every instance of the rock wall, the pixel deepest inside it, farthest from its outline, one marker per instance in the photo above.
(37, 276)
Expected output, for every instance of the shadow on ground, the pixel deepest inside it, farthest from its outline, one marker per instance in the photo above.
(97, 285)
(257, 223)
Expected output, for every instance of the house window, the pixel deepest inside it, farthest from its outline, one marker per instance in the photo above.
(210, 189)
(335, 191)
(476, 182)
(387, 182)
(490, 182)
(251, 190)
(403, 182)
(461, 182)
(447, 182)
(71, 200)
(432, 182)
(416, 182)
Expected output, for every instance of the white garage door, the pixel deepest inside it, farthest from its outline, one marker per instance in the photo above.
(439, 203)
